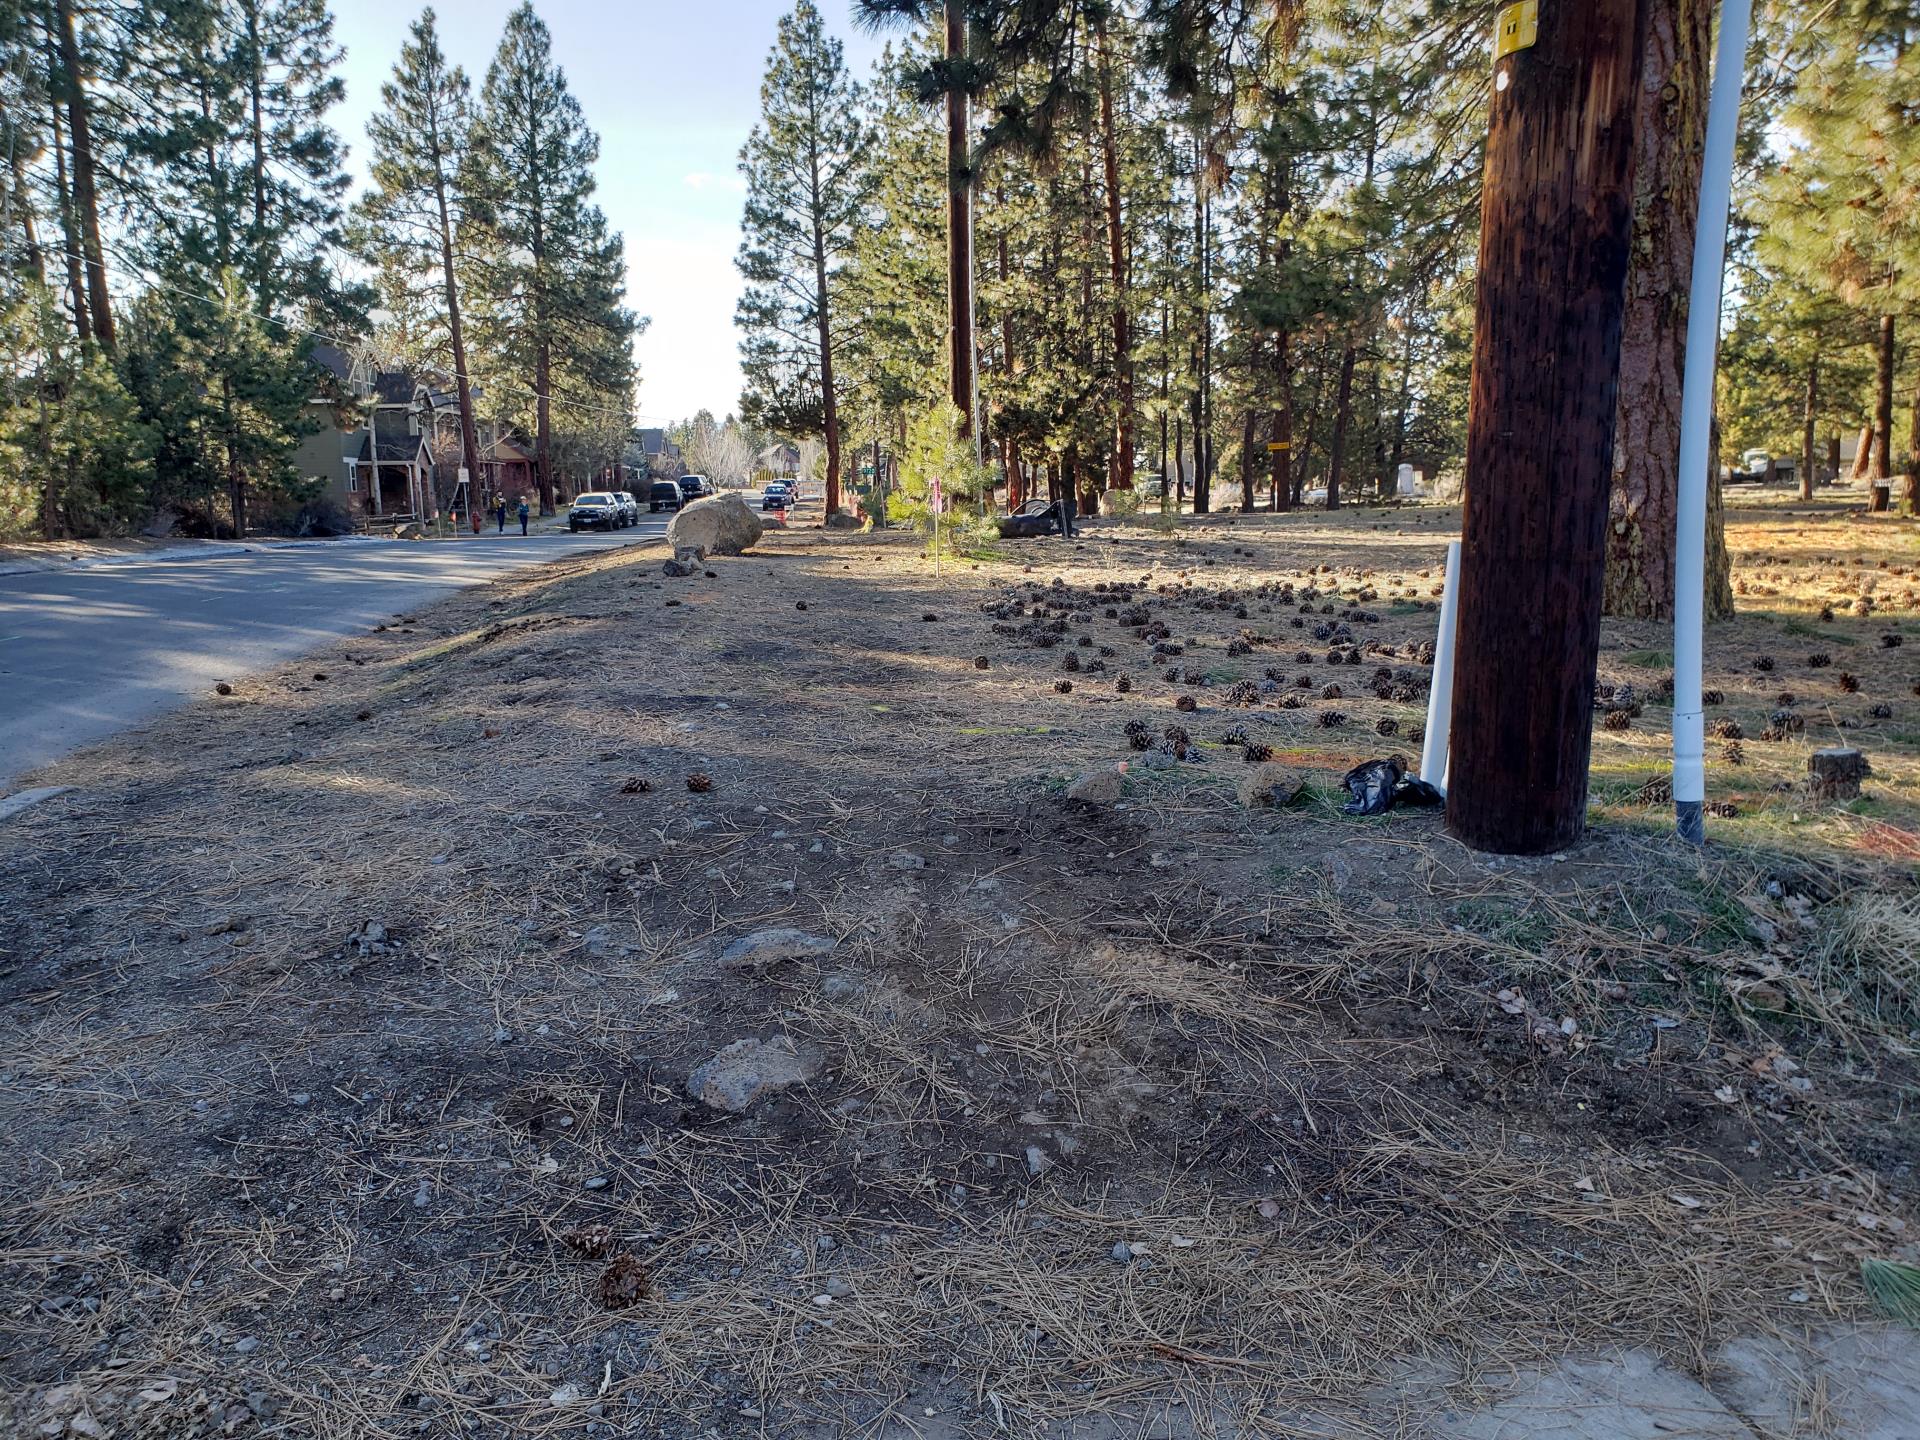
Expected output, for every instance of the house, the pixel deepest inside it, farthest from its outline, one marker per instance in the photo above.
(656, 455)
(373, 447)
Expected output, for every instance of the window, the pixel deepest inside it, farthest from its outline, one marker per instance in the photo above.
(353, 476)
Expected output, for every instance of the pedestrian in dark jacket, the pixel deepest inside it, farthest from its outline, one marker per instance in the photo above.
(500, 514)
(523, 516)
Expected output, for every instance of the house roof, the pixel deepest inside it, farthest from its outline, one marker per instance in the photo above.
(655, 442)
(333, 360)
(394, 387)
(508, 449)
(396, 445)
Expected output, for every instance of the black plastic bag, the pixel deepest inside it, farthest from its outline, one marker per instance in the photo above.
(1376, 786)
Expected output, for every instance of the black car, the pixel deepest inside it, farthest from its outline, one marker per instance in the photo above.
(665, 495)
(596, 510)
(1036, 517)
(696, 487)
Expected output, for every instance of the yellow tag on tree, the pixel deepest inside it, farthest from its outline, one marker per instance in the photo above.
(1519, 27)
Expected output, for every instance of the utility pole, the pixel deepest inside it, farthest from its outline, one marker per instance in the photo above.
(1555, 235)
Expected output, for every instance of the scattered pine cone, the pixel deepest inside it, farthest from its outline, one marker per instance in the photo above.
(221, 687)
(1243, 692)
(1763, 663)
(1071, 663)
(636, 785)
(1732, 753)
(1417, 733)
(799, 604)
(1123, 684)
(1723, 810)
(699, 782)
(1177, 742)
(1329, 692)
(1172, 677)
(1329, 719)
(363, 715)
(1139, 734)
(1882, 711)
(1386, 725)
(1826, 614)
(1726, 730)
(1785, 699)
(1849, 683)
(1257, 754)
(1063, 687)
(1618, 720)
(1712, 697)
(1888, 641)
(1186, 703)
(1819, 660)
(623, 1283)
(1657, 791)
(980, 662)
(590, 1241)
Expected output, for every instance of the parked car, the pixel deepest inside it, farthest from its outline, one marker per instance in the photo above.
(664, 495)
(629, 507)
(775, 496)
(595, 510)
(695, 487)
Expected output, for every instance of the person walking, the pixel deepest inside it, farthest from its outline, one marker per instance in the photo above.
(500, 513)
(523, 514)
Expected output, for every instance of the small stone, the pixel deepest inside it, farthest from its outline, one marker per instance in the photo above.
(1123, 1252)
(597, 1182)
(747, 1069)
(1100, 786)
(906, 860)
(756, 952)
(246, 1345)
(839, 1289)
(1037, 1161)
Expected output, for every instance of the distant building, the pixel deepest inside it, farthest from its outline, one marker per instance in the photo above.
(653, 454)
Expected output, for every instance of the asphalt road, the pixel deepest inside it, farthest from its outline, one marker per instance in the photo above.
(86, 653)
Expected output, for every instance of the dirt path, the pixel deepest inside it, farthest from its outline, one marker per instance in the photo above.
(372, 1031)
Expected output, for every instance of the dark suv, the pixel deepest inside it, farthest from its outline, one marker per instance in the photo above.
(696, 487)
(664, 495)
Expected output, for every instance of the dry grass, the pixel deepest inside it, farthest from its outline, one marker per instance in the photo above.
(1268, 1051)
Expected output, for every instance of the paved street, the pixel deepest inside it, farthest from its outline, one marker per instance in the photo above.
(85, 653)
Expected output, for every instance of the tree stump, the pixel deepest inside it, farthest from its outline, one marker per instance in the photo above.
(1836, 773)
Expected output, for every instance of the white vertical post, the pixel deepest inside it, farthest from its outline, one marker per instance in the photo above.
(1696, 424)
(1433, 752)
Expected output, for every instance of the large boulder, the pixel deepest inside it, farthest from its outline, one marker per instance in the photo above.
(718, 525)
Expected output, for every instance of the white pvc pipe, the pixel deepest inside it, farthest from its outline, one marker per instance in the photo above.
(1434, 761)
(1696, 424)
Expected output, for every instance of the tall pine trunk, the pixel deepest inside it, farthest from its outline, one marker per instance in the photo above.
(1880, 468)
(69, 229)
(829, 401)
(1644, 504)
(1342, 415)
(1807, 436)
(85, 195)
(1120, 471)
(960, 345)
(1280, 423)
(463, 386)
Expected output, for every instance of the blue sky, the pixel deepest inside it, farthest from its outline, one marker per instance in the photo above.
(672, 90)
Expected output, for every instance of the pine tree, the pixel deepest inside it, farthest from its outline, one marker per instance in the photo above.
(550, 275)
(807, 193)
(1841, 212)
(411, 218)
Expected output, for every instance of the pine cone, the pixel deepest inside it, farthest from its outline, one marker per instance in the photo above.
(1329, 692)
(980, 662)
(1386, 725)
(1123, 684)
(1257, 754)
(1819, 660)
(699, 782)
(1186, 703)
(1725, 730)
(1063, 687)
(636, 785)
(1849, 683)
(1328, 719)
(1712, 697)
(1763, 663)
(1618, 720)
(1732, 753)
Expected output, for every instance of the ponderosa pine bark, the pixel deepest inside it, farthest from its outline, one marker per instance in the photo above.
(85, 192)
(1120, 471)
(1644, 507)
(1880, 467)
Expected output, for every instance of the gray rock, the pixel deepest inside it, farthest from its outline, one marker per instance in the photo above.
(906, 860)
(842, 989)
(748, 1069)
(841, 520)
(838, 1288)
(1102, 785)
(717, 525)
(755, 952)
(690, 554)
(676, 569)
(1122, 1252)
